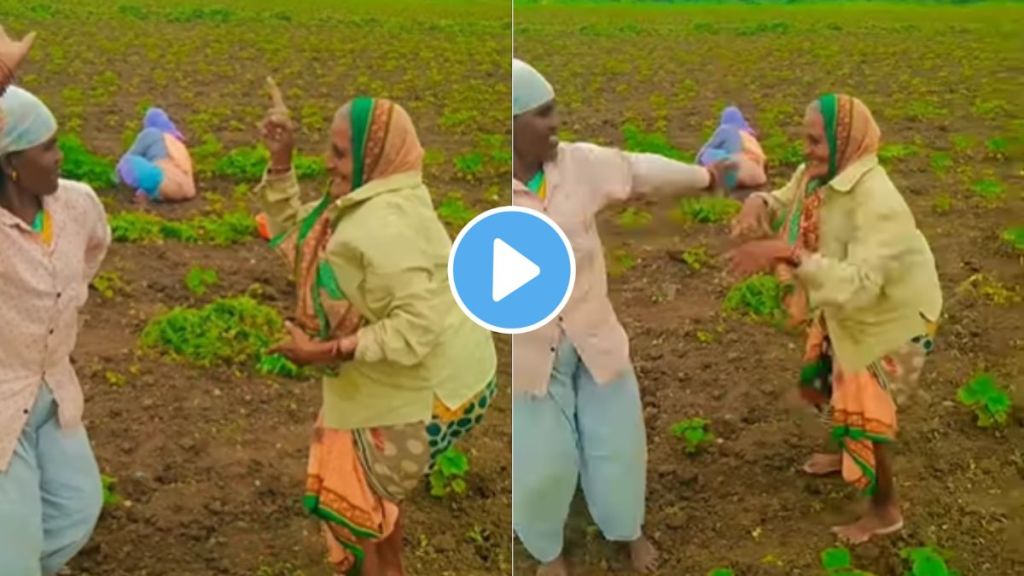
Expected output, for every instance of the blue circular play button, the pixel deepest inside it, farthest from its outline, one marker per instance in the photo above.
(511, 270)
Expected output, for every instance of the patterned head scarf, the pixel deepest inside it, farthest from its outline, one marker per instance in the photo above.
(530, 90)
(25, 122)
(158, 119)
(384, 143)
(732, 116)
(852, 134)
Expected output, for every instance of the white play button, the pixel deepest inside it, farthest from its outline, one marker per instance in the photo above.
(511, 270)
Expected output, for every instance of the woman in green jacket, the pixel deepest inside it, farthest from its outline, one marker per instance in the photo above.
(412, 373)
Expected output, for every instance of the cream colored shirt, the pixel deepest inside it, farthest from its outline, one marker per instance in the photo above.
(582, 180)
(390, 255)
(874, 275)
(41, 291)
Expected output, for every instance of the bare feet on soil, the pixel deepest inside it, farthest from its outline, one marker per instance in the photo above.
(644, 555)
(554, 568)
(876, 522)
(823, 464)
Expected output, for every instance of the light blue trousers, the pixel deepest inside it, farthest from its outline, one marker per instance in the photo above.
(578, 431)
(50, 495)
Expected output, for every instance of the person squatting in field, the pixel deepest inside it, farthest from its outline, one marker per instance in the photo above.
(861, 278)
(736, 139)
(577, 415)
(53, 237)
(158, 165)
(411, 374)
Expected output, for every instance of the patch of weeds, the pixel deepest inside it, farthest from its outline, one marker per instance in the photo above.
(620, 262)
(707, 210)
(433, 157)
(943, 204)
(633, 218)
(84, 166)
(109, 285)
(782, 151)
(997, 148)
(454, 212)
(891, 152)
(758, 297)
(142, 228)
(449, 473)
(839, 562)
(991, 404)
(695, 432)
(278, 365)
(926, 562)
(1014, 237)
(941, 162)
(962, 144)
(469, 166)
(989, 189)
(247, 163)
(721, 572)
(705, 337)
(280, 569)
(110, 496)
(982, 286)
(636, 140)
(115, 379)
(228, 331)
(696, 258)
(198, 280)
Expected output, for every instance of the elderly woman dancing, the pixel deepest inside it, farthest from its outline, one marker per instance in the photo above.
(53, 237)
(577, 413)
(412, 374)
(862, 278)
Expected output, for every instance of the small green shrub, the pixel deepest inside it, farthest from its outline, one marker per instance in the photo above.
(454, 212)
(1015, 238)
(707, 210)
(84, 166)
(926, 562)
(758, 297)
(198, 280)
(839, 562)
(990, 403)
(636, 140)
(110, 496)
(449, 473)
(694, 431)
(633, 218)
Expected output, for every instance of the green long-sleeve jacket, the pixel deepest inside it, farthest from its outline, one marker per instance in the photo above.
(389, 253)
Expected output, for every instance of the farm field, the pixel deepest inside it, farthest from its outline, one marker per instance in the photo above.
(946, 85)
(205, 458)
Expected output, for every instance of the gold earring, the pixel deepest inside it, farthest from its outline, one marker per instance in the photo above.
(14, 175)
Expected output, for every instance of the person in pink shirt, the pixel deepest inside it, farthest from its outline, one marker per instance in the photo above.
(53, 237)
(577, 416)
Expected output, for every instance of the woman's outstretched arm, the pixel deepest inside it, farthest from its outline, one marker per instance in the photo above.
(12, 54)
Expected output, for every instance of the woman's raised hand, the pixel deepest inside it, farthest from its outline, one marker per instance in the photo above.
(277, 130)
(12, 54)
(752, 223)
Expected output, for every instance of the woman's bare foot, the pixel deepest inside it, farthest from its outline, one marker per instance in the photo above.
(554, 568)
(878, 521)
(823, 464)
(643, 554)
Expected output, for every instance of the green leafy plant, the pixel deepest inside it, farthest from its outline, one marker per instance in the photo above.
(988, 189)
(228, 331)
(707, 210)
(109, 284)
(219, 230)
(198, 280)
(696, 258)
(454, 212)
(633, 218)
(991, 404)
(469, 166)
(636, 140)
(1014, 237)
(449, 473)
(620, 262)
(941, 161)
(926, 562)
(693, 431)
(893, 152)
(247, 164)
(943, 204)
(84, 166)
(278, 365)
(721, 572)
(839, 562)
(759, 297)
(110, 496)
